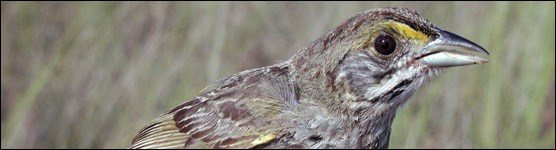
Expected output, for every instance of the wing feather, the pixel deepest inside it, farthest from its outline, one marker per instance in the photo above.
(239, 114)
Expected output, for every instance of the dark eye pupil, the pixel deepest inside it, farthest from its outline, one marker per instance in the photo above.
(385, 44)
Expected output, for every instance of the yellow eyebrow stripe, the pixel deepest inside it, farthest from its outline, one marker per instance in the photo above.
(407, 31)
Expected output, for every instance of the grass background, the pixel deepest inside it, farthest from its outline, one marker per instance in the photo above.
(91, 74)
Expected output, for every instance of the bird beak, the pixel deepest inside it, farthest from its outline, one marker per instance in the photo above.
(450, 50)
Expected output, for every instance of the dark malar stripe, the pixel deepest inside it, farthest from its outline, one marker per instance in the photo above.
(397, 89)
(403, 83)
(396, 93)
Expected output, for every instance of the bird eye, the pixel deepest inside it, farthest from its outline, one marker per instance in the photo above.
(385, 44)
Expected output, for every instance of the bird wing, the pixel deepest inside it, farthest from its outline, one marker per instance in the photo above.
(241, 114)
(196, 125)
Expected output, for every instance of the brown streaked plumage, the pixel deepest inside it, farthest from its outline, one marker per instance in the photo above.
(341, 91)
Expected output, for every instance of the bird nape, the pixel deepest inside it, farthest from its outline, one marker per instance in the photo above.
(340, 91)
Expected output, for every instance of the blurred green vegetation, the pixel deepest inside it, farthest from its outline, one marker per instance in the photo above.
(91, 74)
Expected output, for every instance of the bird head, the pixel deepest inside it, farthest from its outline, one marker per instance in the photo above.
(381, 56)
